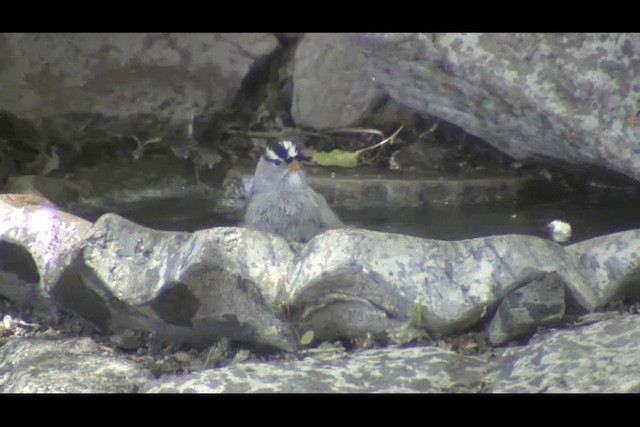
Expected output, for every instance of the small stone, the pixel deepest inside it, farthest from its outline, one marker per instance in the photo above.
(559, 231)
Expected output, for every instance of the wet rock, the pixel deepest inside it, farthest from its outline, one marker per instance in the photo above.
(537, 303)
(64, 193)
(75, 365)
(365, 189)
(160, 192)
(331, 89)
(598, 358)
(563, 96)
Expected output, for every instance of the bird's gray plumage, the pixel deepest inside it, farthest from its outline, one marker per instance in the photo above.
(282, 201)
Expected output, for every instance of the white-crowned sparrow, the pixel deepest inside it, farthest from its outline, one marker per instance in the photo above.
(282, 201)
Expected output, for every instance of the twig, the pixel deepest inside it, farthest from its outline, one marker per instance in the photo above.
(384, 141)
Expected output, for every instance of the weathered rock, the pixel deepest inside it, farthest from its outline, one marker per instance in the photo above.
(62, 192)
(125, 74)
(389, 370)
(101, 96)
(330, 87)
(235, 283)
(444, 286)
(160, 192)
(76, 365)
(611, 265)
(598, 358)
(35, 239)
(564, 96)
(186, 287)
(539, 302)
(363, 190)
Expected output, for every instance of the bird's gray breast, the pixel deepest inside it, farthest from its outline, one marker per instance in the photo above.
(293, 214)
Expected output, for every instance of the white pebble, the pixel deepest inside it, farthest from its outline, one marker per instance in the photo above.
(559, 231)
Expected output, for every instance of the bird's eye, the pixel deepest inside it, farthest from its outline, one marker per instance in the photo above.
(276, 162)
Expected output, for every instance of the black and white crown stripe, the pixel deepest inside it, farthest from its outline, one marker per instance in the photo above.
(286, 150)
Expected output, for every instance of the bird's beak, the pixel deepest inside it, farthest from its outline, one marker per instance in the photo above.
(294, 166)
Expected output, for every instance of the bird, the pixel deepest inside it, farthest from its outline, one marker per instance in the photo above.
(282, 201)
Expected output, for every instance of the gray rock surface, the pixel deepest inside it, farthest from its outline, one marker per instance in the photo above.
(76, 100)
(76, 365)
(256, 288)
(598, 358)
(540, 302)
(564, 96)
(125, 74)
(331, 89)
(32, 225)
(453, 282)
(611, 264)
(94, 96)
(389, 370)
(186, 287)
(601, 357)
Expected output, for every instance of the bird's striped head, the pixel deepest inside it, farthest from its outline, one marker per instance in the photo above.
(285, 151)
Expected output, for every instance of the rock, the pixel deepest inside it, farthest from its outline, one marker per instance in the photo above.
(62, 192)
(598, 358)
(227, 283)
(98, 96)
(161, 192)
(254, 288)
(73, 365)
(193, 288)
(363, 190)
(610, 264)
(389, 370)
(35, 239)
(561, 96)
(392, 277)
(559, 231)
(331, 89)
(539, 302)
(125, 74)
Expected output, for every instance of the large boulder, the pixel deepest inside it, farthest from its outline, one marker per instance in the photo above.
(91, 88)
(561, 96)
